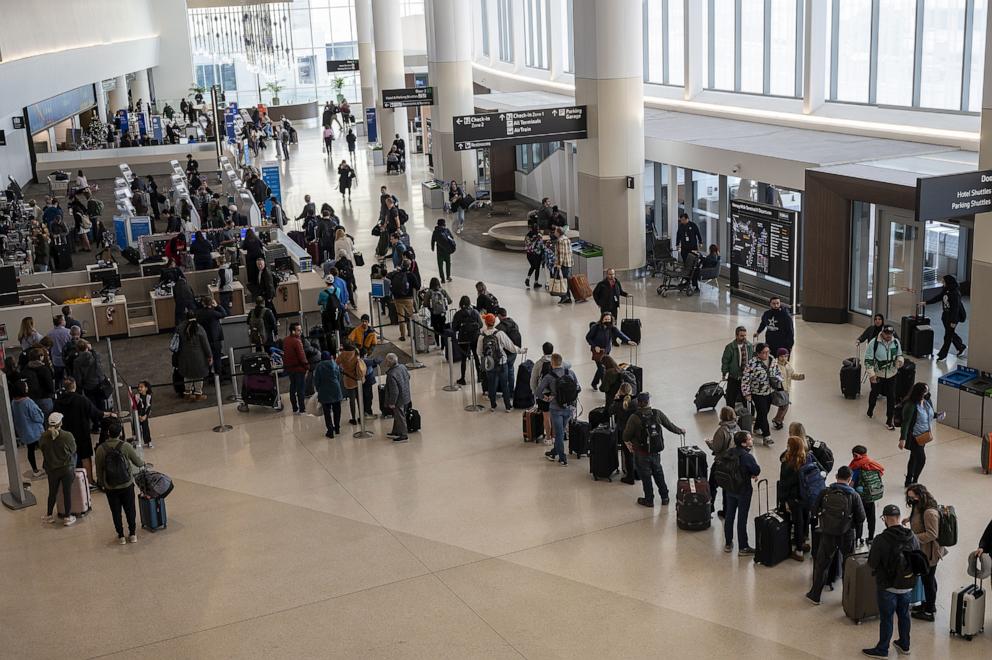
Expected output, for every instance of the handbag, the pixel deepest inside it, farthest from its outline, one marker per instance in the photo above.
(314, 407)
(558, 286)
(359, 259)
(924, 438)
(377, 230)
(779, 398)
(106, 389)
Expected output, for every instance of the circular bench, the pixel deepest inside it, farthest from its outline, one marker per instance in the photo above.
(510, 234)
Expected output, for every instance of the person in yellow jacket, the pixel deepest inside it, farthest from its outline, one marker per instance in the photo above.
(364, 337)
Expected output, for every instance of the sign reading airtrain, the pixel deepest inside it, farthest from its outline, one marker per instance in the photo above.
(520, 127)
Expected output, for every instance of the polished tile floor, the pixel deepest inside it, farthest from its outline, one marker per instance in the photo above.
(465, 542)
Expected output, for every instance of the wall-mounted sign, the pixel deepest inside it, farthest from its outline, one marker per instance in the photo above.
(342, 66)
(3, 139)
(524, 127)
(402, 98)
(763, 238)
(18, 122)
(953, 195)
(53, 110)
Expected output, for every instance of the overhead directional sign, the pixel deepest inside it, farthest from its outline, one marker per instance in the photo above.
(523, 127)
(402, 98)
(341, 66)
(953, 195)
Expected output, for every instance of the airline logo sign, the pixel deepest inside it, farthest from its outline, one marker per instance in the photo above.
(524, 127)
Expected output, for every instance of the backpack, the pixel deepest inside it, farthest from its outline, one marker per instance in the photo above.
(909, 566)
(116, 466)
(870, 486)
(94, 207)
(822, 453)
(332, 300)
(728, 473)
(651, 438)
(947, 531)
(470, 328)
(811, 483)
(512, 331)
(404, 216)
(399, 284)
(545, 368)
(438, 303)
(256, 328)
(449, 241)
(174, 343)
(835, 512)
(566, 390)
(628, 376)
(490, 351)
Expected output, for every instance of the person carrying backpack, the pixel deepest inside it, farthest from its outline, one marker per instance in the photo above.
(925, 522)
(512, 330)
(794, 460)
(467, 324)
(401, 283)
(891, 562)
(643, 436)
(840, 512)
(734, 471)
(601, 337)
(540, 369)
(866, 477)
(114, 473)
(261, 325)
(492, 347)
(560, 388)
(438, 301)
(443, 244)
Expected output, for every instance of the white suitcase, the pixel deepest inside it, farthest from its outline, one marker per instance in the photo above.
(968, 610)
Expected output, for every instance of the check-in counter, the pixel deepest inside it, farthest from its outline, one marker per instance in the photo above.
(110, 318)
(237, 297)
(164, 310)
(287, 300)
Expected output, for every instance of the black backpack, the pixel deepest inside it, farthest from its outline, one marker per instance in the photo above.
(469, 329)
(651, 437)
(821, 452)
(116, 466)
(512, 331)
(728, 472)
(399, 283)
(566, 390)
(835, 512)
(490, 352)
(909, 565)
(404, 216)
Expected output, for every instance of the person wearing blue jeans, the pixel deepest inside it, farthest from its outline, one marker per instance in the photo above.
(496, 381)
(493, 347)
(894, 579)
(560, 408)
(738, 503)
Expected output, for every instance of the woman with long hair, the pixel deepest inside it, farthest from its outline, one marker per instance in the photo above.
(924, 521)
(789, 492)
(952, 313)
(467, 324)
(918, 417)
(27, 336)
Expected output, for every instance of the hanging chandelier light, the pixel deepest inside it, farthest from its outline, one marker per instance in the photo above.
(258, 34)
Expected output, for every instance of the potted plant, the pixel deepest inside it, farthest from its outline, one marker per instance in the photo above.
(338, 86)
(275, 88)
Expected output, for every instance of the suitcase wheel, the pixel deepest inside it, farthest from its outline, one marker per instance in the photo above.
(242, 407)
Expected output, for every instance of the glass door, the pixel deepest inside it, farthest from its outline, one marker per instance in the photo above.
(901, 256)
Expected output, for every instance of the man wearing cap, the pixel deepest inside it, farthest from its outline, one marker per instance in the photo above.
(643, 438)
(840, 512)
(883, 357)
(894, 579)
(59, 449)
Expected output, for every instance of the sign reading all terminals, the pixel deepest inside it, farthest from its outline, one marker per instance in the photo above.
(524, 127)
(953, 195)
(402, 98)
(762, 238)
(341, 66)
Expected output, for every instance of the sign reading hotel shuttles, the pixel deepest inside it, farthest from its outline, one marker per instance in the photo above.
(403, 98)
(953, 195)
(523, 127)
(341, 66)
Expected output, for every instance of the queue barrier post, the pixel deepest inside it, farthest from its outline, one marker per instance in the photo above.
(475, 406)
(451, 386)
(221, 427)
(415, 364)
(362, 432)
(113, 376)
(235, 396)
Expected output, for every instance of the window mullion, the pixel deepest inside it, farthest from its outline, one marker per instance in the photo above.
(834, 46)
(766, 59)
(800, 45)
(918, 54)
(710, 48)
(969, 21)
(737, 45)
(873, 54)
(664, 42)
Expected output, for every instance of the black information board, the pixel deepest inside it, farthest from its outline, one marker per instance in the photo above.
(341, 66)
(522, 127)
(953, 195)
(763, 238)
(402, 98)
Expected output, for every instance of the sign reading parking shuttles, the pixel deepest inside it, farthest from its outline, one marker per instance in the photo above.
(523, 127)
(953, 195)
(402, 98)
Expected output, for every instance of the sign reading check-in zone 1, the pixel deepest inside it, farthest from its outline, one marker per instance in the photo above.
(954, 195)
(523, 127)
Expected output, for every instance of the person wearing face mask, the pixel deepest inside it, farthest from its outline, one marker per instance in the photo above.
(918, 417)
(924, 521)
(600, 339)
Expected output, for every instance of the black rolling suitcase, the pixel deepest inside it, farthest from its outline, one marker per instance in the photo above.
(603, 459)
(578, 437)
(630, 326)
(598, 417)
(906, 326)
(771, 532)
(745, 415)
(922, 341)
(850, 378)
(708, 396)
(691, 461)
(692, 504)
(523, 398)
(384, 412)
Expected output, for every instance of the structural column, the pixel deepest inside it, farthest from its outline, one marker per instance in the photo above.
(449, 67)
(366, 54)
(118, 95)
(609, 80)
(101, 101)
(980, 318)
(389, 69)
(140, 89)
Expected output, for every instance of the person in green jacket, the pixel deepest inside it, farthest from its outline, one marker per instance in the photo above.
(59, 449)
(115, 463)
(735, 357)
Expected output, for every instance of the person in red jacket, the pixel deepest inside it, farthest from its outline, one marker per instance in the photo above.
(294, 361)
(175, 248)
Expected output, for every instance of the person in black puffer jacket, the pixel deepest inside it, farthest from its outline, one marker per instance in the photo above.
(951, 315)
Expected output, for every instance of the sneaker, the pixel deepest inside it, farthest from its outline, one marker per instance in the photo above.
(353, 421)
(769, 442)
(537, 285)
(664, 501)
(393, 435)
(71, 520)
(728, 548)
(133, 538)
(328, 434)
(37, 474)
(149, 445)
(745, 552)
(527, 283)
(563, 463)
(48, 519)
(778, 425)
(922, 616)
(815, 601)
(121, 540)
(875, 653)
(550, 455)
(460, 381)
(798, 556)
(401, 438)
(628, 480)
(903, 650)
(961, 352)
(870, 414)
(890, 427)
(509, 409)
(450, 280)
(643, 502)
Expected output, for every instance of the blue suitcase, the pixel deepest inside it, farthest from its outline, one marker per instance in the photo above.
(152, 511)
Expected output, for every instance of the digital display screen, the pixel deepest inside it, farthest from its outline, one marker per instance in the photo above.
(762, 238)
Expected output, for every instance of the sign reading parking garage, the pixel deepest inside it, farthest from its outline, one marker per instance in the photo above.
(524, 127)
(762, 238)
(403, 98)
(954, 195)
(342, 66)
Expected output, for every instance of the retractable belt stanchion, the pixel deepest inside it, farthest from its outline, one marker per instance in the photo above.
(236, 395)
(113, 375)
(475, 406)
(222, 427)
(451, 386)
(362, 432)
(413, 346)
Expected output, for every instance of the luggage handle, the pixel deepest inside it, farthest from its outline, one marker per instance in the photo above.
(628, 306)
(633, 354)
(768, 506)
(682, 439)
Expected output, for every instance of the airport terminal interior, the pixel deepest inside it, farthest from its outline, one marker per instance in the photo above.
(829, 157)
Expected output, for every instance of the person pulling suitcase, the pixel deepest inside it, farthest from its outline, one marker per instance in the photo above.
(840, 511)
(643, 436)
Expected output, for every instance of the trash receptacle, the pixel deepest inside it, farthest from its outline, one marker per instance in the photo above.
(949, 393)
(974, 394)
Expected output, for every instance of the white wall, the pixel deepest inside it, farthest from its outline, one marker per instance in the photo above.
(172, 78)
(545, 180)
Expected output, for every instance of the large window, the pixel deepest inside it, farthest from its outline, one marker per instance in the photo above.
(912, 53)
(536, 33)
(504, 25)
(208, 75)
(755, 46)
(664, 41)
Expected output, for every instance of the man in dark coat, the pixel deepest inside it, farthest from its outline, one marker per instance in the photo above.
(608, 292)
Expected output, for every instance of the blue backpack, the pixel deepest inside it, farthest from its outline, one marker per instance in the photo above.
(811, 482)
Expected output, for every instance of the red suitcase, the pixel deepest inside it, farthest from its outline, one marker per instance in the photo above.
(578, 285)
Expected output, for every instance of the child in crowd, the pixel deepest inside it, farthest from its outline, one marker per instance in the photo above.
(143, 403)
(788, 375)
(866, 478)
